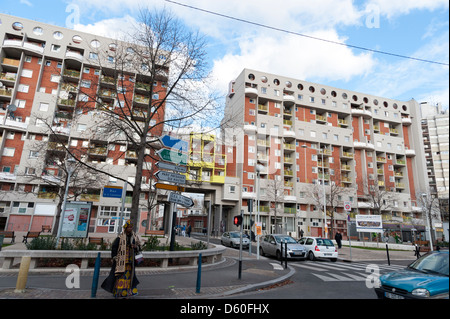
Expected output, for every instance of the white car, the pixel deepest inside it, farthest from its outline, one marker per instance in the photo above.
(317, 247)
(232, 239)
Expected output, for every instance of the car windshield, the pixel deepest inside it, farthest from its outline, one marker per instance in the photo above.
(432, 263)
(289, 239)
(324, 242)
(235, 235)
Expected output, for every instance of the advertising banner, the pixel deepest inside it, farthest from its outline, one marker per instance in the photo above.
(369, 223)
(76, 220)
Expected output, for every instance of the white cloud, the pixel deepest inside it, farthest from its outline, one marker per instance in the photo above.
(391, 9)
(293, 56)
(116, 28)
(26, 2)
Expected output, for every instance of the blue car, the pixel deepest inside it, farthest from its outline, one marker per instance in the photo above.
(427, 277)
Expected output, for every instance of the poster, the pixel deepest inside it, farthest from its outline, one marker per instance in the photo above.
(369, 223)
(76, 219)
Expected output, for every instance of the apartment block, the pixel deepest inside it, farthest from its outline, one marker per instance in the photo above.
(48, 76)
(299, 140)
(435, 128)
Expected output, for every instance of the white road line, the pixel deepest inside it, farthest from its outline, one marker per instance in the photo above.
(308, 267)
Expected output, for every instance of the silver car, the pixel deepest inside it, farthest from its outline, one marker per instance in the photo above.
(232, 239)
(271, 245)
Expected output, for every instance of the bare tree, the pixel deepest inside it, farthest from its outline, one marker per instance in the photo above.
(275, 195)
(429, 203)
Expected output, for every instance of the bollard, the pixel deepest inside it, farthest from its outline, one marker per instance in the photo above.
(387, 252)
(23, 274)
(199, 274)
(281, 253)
(285, 254)
(96, 275)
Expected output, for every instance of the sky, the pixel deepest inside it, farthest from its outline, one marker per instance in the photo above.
(409, 28)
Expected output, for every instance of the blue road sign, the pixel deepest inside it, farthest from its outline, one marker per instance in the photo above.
(174, 143)
(112, 191)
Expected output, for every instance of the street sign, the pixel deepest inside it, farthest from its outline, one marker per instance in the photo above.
(348, 206)
(172, 167)
(174, 143)
(172, 156)
(170, 177)
(180, 199)
(170, 187)
(112, 191)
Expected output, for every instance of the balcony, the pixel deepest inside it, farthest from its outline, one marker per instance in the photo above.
(346, 180)
(263, 108)
(400, 162)
(251, 92)
(72, 73)
(347, 155)
(380, 171)
(345, 168)
(11, 62)
(6, 92)
(410, 153)
(140, 99)
(406, 121)
(74, 55)
(321, 118)
(290, 198)
(399, 185)
(288, 172)
(393, 131)
(342, 122)
(381, 159)
(381, 183)
(250, 128)
(290, 147)
(263, 143)
(290, 210)
(8, 76)
(101, 151)
(90, 197)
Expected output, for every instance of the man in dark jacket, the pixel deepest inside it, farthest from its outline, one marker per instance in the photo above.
(338, 238)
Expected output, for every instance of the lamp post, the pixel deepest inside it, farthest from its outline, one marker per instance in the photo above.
(323, 188)
(259, 168)
(69, 163)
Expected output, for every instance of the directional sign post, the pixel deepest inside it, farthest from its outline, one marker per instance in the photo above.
(174, 143)
(172, 167)
(170, 177)
(180, 199)
(172, 156)
(169, 187)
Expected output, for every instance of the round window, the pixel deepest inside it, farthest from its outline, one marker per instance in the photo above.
(264, 79)
(251, 77)
(311, 89)
(95, 44)
(17, 26)
(323, 91)
(333, 93)
(300, 86)
(77, 39)
(395, 106)
(355, 98)
(58, 35)
(38, 31)
(375, 102)
(288, 84)
(276, 82)
(344, 96)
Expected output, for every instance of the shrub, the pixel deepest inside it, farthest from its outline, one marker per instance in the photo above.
(42, 243)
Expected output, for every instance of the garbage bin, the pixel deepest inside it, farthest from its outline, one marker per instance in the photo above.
(1, 241)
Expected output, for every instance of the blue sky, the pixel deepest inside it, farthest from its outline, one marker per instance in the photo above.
(417, 28)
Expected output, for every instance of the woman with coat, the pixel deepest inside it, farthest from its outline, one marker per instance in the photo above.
(122, 281)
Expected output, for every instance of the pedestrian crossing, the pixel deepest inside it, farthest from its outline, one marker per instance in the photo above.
(345, 272)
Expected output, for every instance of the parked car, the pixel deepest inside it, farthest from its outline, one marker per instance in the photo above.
(427, 277)
(317, 247)
(232, 239)
(271, 245)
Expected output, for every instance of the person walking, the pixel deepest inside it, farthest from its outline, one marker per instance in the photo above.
(189, 230)
(338, 238)
(122, 281)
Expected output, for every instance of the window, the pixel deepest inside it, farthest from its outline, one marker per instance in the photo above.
(27, 73)
(43, 107)
(81, 127)
(335, 137)
(23, 88)
(313, 133)
(8, 151)
(56, 48)
(232, 189)
(93, 56)
(55, 78)
(30, 171)
(33, 154)
(85, 83)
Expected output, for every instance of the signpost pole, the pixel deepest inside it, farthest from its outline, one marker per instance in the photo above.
(122, 209)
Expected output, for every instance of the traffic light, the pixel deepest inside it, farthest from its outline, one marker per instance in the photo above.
(237, 220)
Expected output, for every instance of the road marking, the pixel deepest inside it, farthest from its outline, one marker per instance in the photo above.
(309, 267)
(277, 266)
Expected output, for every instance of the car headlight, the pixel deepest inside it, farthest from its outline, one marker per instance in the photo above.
(421, 292)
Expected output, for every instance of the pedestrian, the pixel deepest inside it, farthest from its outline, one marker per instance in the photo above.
(122, 281)
(183, 230)
(301, 233)
(189, 230)
(338, 238)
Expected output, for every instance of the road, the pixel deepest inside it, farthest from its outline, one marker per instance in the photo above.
(323, 279)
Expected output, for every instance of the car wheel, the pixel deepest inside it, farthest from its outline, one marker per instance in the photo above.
(333, 259)
(311, 256)
(261, 251)
(278, 255)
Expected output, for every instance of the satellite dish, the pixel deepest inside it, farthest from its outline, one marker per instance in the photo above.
(12, 108)
(1, 85)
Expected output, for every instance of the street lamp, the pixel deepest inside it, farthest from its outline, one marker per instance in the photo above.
(323, 188)
(259, 168)
(70, 168)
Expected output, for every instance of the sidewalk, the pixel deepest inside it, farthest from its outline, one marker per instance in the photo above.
(217, 280)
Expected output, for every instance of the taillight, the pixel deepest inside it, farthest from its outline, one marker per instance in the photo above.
(316, 248)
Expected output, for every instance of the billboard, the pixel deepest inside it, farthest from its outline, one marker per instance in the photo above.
(369, 223)
(76, 219)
